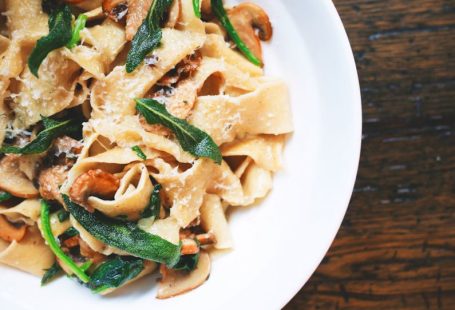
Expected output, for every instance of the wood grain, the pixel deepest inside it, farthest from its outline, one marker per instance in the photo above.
(396, 247)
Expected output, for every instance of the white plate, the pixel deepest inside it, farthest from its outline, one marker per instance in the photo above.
(281, 241)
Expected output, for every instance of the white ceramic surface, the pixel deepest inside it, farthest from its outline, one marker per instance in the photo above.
(281, 241)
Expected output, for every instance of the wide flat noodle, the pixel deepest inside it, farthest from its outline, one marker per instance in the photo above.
(26, 21)
(129, 132)
(52, 92)
(213, 220)
(113, 97)
(264, 111)
(265, 150)
(185, 189)
(131, 198)
(216, 47)
(31, 254)
(28, 211)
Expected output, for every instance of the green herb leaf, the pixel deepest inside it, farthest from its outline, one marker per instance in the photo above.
(63, 215)
(115, 272)
(76, 34)
(187, 262)
(139, 152)
(149, 34)
(49, 5)
(85, 266)
(4, 196)
(59, 35)
(153, 208)
(221, 15)
(51, 273)
(50, 239)
(70, 232)
(52, 130)
(192, 139)
(197, 8)
(125, 236)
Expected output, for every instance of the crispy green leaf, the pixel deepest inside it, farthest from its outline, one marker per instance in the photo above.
(221, 15)
(4, 196)
(115, 272)
(70, 232)
(51, 273)
(52, 130)
(139, 152)
(192, 139)
(49, 5)
(59, 35)
(125, 236)
(153, 208)
(187, 262)
(149, 34)
(63, 215)
(53, 245)
(197, 8)
(76, 33)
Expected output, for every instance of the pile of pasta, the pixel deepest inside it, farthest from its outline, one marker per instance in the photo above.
(245, 113)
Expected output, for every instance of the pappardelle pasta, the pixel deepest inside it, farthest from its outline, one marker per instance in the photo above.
(128, 129)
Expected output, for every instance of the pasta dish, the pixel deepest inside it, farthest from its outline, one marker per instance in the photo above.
(128, 128)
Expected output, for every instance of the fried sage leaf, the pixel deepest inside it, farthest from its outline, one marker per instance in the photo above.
(125, 236)
(139, 152)
(115, 272)
(4, 196)
(192, 139)
(153, 208)
(51, 273)
(187, 262)
(221, 15)
(60, 33)
(149, 34)
(52, 129)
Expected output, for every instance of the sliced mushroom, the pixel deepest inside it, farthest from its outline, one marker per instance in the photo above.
(175, 283)
(50, 181)
(246, 19)
(13, 181)
(93, 183)
(189, 247)
(137, 11)
(10, 232)
(115, 9)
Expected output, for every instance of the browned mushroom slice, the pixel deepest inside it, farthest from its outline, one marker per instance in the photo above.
(50, 181)
(115, 9)
(10, 232)
(137, 11)
(175, 283)
(93, 183)
(13, 181)
(246, 19)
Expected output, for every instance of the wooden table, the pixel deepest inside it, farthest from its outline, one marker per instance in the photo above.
(396, 247)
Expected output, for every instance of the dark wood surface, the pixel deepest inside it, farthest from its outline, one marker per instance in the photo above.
(396, 247)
